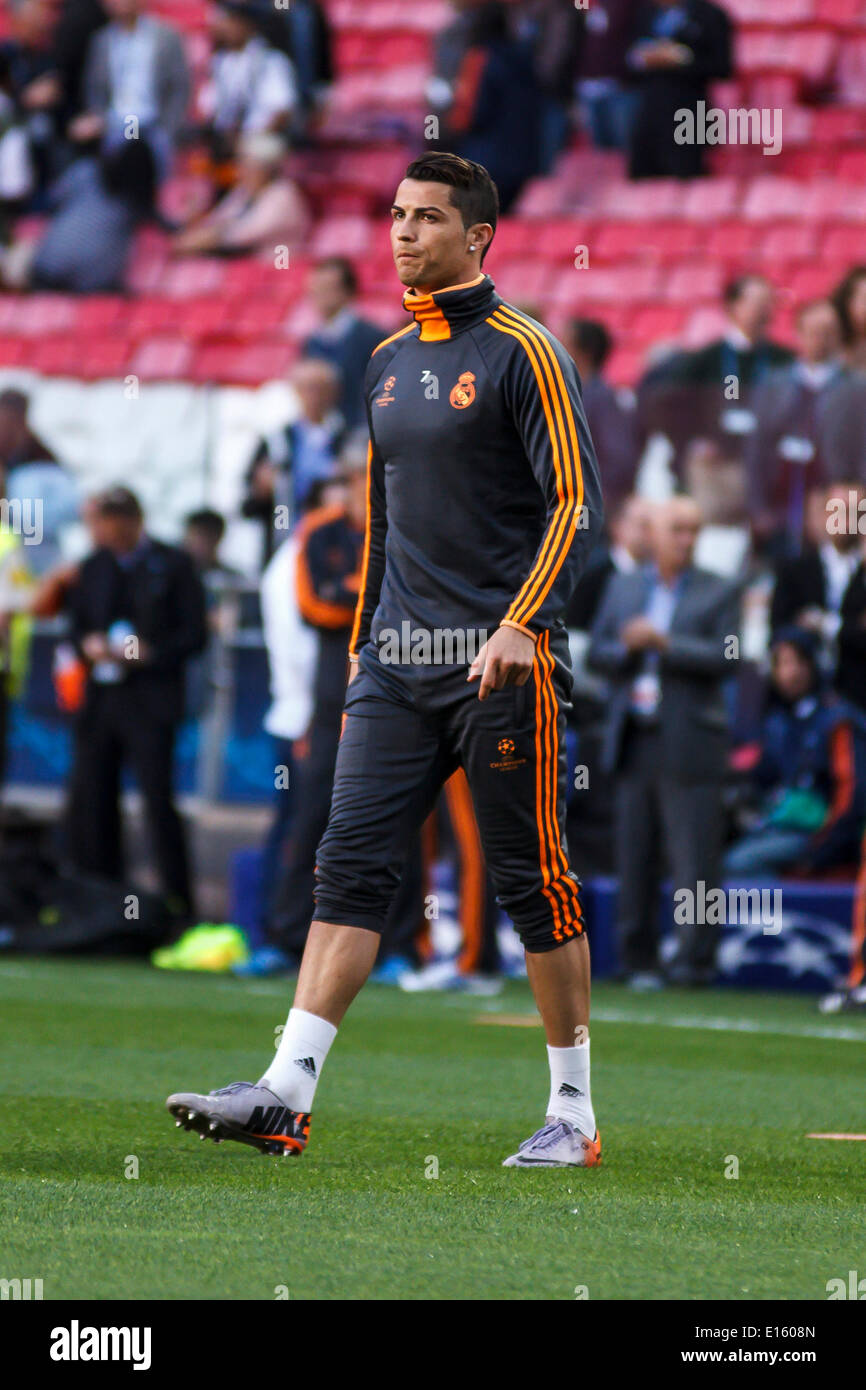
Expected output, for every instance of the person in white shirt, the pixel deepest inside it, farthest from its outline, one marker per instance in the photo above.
(252, 86)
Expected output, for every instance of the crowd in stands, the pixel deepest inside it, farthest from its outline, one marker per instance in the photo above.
(101, 102)
(734, 473)
(744, 759)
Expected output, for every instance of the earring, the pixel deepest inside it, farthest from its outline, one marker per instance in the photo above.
(473, 247)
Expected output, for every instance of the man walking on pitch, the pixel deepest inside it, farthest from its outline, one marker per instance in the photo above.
(483, 504)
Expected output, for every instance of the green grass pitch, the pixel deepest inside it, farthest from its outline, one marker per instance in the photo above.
(681, 1083)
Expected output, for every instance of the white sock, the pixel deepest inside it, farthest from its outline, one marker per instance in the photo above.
(294, 1073)
(569, 1087)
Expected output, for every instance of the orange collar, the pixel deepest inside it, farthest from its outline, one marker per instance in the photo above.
(436, 319)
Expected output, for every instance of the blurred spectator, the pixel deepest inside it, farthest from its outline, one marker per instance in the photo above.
(287, 464)
(611, 423)
(343, 337)
(265, 208)
(30, 97)
(708, 393)
(810, 774)
(810, 588)
(137, 616)
(252, 86)
(607, 102)
(18, 442)
(678, 48)
(203, 533)
(136, 85)
(77, 22)
(292, 648)
(302, 31)
(99, 203)
(329, 546)
(553, 31)
(208, 671)
(486, 96)
(849, 297)
(810, 428)
(628, 524)
(662, 638)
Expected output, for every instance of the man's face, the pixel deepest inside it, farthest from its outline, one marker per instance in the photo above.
(428, 240)
(753, 308)
(202, 544)
(675, 533)
(328, 291)
(819, 334)
(122, 9)
(34, 22)
(119, 534)
(791, 673)
(317, 390)
(228, 30)
(632, 529)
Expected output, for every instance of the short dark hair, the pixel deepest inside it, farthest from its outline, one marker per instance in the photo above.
(345, 268)
(119, 502)
(207, 520)
(473, 193)
(592, 338)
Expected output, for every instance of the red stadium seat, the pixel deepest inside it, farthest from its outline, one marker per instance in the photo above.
(162, 359)
(686, 284)
(795, 242)
(242, 364)
(769, 198)
(340, 236)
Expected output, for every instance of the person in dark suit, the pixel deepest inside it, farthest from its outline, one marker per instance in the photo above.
(823, 590)
(678, 48)
(136, 615)
(810, 429)
(343, 337)
(664, 637)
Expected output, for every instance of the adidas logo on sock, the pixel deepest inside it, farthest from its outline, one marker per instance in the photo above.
(306, 1064)
(566, 1090)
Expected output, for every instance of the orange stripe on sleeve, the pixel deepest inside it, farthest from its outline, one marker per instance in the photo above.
(557, 539)
(571, 449)
(365, 562)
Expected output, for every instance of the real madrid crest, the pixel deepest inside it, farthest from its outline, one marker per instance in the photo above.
(463, 393)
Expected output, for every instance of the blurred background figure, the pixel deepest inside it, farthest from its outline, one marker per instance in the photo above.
(678, 48)
(136, 615)
(662, 637)
(136, 85)
(809, 777)
(288, 465)
(803, 437)
(343, 337)
(327, 556)
(611, 422)
(252, 85)
(486, 94)
(262, 212)
(606, 98)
